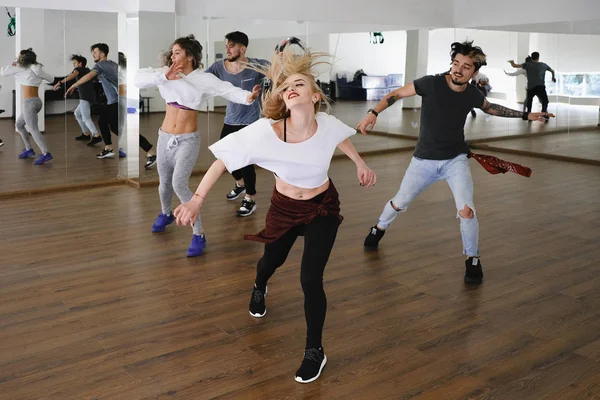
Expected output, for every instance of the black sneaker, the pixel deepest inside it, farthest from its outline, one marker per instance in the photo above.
(247, 208)
(474, 272)
(312, 365)
(258, 309)
(106, 154)
(83, 137)
(95, 140)
(1, 143)
(236, 192)
(150, 161)
(373, 238)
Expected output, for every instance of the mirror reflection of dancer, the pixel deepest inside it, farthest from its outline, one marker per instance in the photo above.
(29, 73)
(184, 87)
(87, 97)
(107, 72)
(235, 69)
(296, 143)
(518, 72)
(144, 143)
(536, 80)
(441, 152)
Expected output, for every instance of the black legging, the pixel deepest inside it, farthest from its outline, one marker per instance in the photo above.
(247, 173)
(109, 121)
(319, 236)
(540, 92)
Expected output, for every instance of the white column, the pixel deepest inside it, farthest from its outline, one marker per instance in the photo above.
(417, 45)
(522, 53)
(30, 25)
(129, 44)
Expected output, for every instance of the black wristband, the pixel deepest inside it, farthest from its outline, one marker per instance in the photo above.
(525, 116)
(371, 111)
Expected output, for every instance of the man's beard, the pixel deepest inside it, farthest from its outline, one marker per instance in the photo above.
(457, 83)
(233, 58)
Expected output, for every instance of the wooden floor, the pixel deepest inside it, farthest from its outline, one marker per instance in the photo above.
(94, 306)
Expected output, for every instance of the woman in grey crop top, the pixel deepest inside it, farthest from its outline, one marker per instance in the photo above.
(312, 211)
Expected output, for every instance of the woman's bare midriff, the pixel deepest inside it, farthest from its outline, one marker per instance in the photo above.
(30, 91)
(297, 193)
(178, 121)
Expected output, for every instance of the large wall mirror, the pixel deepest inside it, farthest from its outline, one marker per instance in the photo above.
(61, 41)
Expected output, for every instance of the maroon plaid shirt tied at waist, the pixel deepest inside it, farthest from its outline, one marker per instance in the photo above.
(286, 213)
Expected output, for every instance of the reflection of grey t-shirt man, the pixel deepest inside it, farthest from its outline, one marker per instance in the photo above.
(536, 80)
(107, 72)
(235, 69)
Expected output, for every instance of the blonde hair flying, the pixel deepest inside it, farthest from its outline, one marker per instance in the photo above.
(283, 65)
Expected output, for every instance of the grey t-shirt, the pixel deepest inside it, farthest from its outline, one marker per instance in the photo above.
(240, 114)
(443, 115)
(536, 73)
(108, 73)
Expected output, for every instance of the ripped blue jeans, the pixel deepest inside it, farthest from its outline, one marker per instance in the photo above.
(421, 174)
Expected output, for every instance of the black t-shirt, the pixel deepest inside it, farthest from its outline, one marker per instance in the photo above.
(443, 115)
(87, 91)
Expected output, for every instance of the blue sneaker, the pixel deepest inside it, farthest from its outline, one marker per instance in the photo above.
(197, 246)
(27, 153)
(43, 158)
(161, 222)
(122, 153)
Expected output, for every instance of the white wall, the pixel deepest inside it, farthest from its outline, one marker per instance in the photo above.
(157, 33)
(354, 51)
(7, 56)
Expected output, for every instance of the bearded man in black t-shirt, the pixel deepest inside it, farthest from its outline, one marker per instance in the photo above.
(441, 152)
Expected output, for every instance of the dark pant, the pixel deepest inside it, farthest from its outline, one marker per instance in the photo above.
(247, 173)
(319, 236)
(109, 121)
(145, 144)
(540, 92)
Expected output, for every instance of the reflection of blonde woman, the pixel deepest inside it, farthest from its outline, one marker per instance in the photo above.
(184, 87)
(30, 74)
(296, 143)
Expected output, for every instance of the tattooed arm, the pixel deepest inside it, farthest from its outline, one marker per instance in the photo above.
(400, 93)
(501, 111)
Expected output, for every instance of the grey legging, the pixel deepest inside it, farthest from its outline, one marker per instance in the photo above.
(29, 117)
(176, 156)
(83, 114)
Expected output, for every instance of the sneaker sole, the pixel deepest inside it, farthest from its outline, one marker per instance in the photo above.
(1, 144)
(106, 156)
(300, 380)
(148, 166)
(236, 197)
(247, 215)
(258, 315)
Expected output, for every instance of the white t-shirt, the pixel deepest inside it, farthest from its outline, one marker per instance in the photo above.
(30, 76)
(303, 164)
(192, 89)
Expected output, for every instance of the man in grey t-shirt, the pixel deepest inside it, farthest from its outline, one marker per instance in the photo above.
(536, 80)
(237, 116)
(107, 72)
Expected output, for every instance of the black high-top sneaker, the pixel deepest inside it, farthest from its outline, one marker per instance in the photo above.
(258, 309)
(373, 238)
(312, 365)
(474, 272)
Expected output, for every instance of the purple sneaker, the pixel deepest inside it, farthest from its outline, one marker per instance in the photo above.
(122, 153)
(197, 246)
(161, 222)
(43, 158)
(27, 153)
